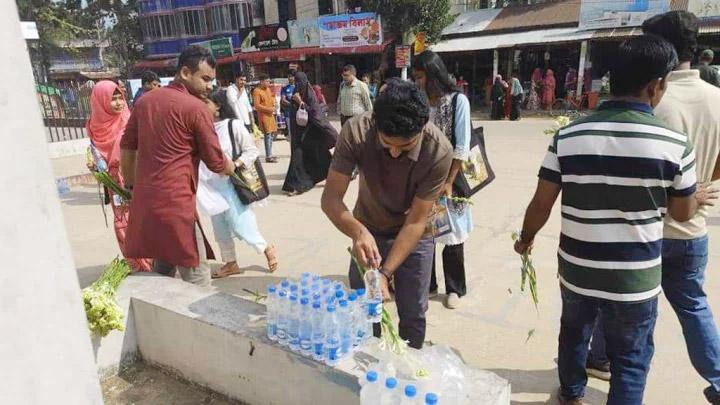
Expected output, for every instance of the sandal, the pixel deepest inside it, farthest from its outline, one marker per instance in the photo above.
(227, 270)
(272, 260)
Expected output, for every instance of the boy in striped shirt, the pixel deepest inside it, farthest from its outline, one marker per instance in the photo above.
(620, 171)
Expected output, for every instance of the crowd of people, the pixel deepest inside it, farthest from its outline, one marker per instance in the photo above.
(632, 177)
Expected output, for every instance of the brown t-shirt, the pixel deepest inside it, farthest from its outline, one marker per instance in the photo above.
(387, 185)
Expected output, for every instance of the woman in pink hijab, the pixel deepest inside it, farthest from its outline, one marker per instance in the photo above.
(108, 117)
(549, 89)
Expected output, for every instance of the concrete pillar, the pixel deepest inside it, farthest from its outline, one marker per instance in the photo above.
(496, 61)
(45, 347)
(581, 69)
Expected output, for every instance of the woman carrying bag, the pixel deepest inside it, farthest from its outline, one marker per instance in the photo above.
(313, 137)
(450, 112)
(217, 197)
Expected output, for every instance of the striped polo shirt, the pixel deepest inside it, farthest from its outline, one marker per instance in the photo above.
(617, 169)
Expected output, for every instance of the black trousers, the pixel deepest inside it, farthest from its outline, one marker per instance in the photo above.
(454, 269)
(515, 110)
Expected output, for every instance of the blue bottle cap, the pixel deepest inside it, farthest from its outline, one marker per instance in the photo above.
(360, 292)
(315, 278)
(305, 291)
(294, 287)
(271, 289)
(306, 274)
(431, 399)
(304, 301)
(390, 383)
(326, 281)
(331, 308)
(352, 296)
(304, 282)
(293, 297)
(343, 303)
(283, 293)
(316, 305)
(371, 376)
(339, 294)
(285, 283)
(338, 286)
(317, 296)
(410, 391)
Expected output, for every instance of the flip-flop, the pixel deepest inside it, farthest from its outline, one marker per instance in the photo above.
(271, 256)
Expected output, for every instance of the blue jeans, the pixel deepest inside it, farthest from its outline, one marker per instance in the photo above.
(629, 335)
(684, 263)
(597, 343)
(268, 139)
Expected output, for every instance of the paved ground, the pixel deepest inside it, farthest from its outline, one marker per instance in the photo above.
(492, 326)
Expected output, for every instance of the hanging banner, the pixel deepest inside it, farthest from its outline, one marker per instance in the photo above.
(304, 33)
(705, 9)
(402, 56)
(265, 37)
(619, 13)
(349, 30)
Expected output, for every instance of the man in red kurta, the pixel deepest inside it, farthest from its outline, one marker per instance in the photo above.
(169, 132)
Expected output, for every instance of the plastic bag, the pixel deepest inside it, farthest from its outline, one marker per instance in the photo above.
(302, 116)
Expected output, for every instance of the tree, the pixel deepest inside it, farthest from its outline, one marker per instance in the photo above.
(405, 17)
(125, 37)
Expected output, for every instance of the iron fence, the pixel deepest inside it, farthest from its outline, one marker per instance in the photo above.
(65, 109)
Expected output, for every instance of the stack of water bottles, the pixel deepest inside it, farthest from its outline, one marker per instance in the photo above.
(378, 389)
(321, 318)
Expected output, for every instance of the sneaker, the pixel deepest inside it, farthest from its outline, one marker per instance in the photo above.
(452, 301)
(597, 369)
(712, 396)
(433, 294)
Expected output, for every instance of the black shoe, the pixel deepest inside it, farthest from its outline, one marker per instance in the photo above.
(712, 396)
(599, 370)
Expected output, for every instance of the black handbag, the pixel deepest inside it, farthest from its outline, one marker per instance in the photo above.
(476, 172)
(250, 182)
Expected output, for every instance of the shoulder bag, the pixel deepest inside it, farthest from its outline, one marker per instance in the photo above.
(250, 182)
(475, 173)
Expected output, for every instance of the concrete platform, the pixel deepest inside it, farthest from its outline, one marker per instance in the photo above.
(218, 340)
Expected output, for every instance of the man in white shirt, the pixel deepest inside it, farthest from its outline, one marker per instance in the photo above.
(239, 100)
(690, 106)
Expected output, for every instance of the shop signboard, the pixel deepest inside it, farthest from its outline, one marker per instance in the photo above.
(705, 9)
(402, 56)
(304, 33)
(264, 38)
(220, 47)
(348, 30)
(619, 13)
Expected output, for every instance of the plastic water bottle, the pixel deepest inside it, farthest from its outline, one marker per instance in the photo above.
(318, 331)
(370, 392)
(390, 395)
(374, 297)
(332, 337)
(305, 327)
(282, 318)
(285, 284)
(272, 312)
(431, 398)
(293, 329)
(345, 326)
(339, 294)
(410, 395)
(361, 321)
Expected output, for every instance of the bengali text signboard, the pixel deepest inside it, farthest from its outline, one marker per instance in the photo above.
(349, 30)
(264, 38)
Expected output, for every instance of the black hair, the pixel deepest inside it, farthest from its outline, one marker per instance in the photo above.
(238, 74)
(219, 97)
(350, 68)
(148, 77)
(438, 78)
(263, 76)
(291, 73)
(401, 109)
(192, 56)
(638, 62)
(680, 28)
